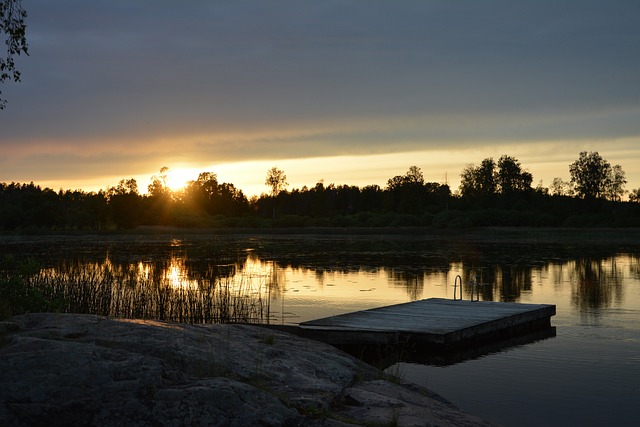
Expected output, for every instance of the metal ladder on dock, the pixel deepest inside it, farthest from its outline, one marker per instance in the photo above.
(474, 289)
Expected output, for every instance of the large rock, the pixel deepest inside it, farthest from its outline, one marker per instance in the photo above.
(63, 369)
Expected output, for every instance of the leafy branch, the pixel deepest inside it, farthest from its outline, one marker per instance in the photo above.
(13, 26)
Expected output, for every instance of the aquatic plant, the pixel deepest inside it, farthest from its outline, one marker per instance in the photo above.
(145, 291)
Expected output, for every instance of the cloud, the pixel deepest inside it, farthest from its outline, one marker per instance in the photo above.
(111, 86)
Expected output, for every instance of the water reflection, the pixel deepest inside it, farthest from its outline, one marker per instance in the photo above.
(383, 357)
(175, 274)
(411, 281)
(299, 278)
(166, 289)
(594, 282)
(299, 292)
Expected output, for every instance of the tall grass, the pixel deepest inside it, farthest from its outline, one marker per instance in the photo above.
(151, 291)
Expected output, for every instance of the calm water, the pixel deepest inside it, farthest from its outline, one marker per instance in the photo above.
(587, 374)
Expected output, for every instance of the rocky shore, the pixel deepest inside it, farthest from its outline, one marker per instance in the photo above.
(65, 369)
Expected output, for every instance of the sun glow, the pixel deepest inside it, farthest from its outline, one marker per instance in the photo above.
(177, 179)
(177, 277)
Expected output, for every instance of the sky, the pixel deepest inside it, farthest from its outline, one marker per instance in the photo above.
(340, 91)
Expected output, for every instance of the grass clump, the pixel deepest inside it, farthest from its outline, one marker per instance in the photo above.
(142, 291)
(18, 295)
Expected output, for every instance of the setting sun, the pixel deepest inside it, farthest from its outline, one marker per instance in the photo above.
(177, 179)
(209, 178)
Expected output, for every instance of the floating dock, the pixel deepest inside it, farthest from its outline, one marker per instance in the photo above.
(431, 322)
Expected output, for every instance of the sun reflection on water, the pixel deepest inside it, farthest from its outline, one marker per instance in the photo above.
(176, 275)
(214, 279)
(294, 293)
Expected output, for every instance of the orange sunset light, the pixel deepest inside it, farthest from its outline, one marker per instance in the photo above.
(178, 178)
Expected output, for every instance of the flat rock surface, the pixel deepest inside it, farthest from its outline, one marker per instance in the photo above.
(66, 369)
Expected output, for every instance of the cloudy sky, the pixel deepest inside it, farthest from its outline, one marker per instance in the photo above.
(350, 92)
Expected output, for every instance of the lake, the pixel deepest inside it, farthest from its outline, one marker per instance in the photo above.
(586, 373)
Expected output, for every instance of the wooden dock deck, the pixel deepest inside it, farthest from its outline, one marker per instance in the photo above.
(432, 322)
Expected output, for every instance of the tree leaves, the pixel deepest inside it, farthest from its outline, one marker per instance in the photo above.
(13, 28)
(594, 177)
(277, 180)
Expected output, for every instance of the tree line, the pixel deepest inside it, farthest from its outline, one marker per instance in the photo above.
(490, 194)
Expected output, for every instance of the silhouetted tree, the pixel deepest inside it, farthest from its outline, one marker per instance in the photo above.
(594, 178)
(200, 192)
(158, 186)
(407, 192)
(80, 210)
(414, 175)
(28, 206)
(124, 201)
(159, 202)
(410, 194)
(96, 206)
(560, 187)
(615, 184)
(510, 177)
(479, 182)
(490, 197)
(208, 195)
(370, 198)
(13, 28)
(276, 180)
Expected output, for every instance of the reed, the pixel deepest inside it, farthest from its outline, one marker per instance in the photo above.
(151, 291)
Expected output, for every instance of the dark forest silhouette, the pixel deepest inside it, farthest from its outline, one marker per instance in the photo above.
(491, 194)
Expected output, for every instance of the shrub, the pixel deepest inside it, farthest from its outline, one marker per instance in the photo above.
(452, 219)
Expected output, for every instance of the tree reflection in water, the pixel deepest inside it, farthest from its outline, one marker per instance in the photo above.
(411, 281)
(239, 278)
(592, 276)
(596, 284)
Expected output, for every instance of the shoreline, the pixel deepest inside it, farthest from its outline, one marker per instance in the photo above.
(84, 369)
(523, 234)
